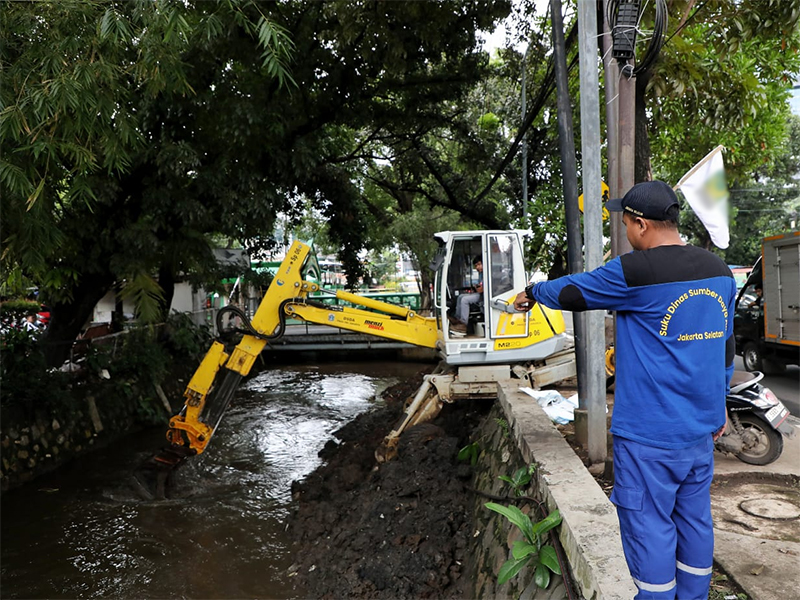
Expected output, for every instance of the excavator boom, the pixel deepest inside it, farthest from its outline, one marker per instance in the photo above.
(213, 385)
(498, 335)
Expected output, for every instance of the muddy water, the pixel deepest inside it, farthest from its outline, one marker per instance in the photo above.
(83, 532)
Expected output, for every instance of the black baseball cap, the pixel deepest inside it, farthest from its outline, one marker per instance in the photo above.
(649, 200)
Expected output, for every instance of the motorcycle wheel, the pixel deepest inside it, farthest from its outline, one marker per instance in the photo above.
(768, 446)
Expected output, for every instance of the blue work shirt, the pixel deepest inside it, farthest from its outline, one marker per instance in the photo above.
(674, 344)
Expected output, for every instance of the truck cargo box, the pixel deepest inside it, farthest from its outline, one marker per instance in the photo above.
(781, 276)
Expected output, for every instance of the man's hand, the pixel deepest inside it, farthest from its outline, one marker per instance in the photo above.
(522, 303)
(719, 433)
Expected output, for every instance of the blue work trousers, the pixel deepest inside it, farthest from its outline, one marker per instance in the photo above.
(664, 506)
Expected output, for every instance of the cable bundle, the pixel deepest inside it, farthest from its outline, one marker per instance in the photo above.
(623, 19)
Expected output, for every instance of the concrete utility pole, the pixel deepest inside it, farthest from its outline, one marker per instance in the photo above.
(524, 141)
(621, 121)
(569, 175)
(592, 227)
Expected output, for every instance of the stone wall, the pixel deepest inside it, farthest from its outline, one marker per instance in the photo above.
(35, 441)
(494, 535)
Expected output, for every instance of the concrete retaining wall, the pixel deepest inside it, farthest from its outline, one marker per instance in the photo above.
(494, 536)
(589, 531)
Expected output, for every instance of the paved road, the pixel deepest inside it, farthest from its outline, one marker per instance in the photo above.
(785, 386)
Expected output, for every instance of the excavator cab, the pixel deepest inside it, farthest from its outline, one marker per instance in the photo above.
(477, 321)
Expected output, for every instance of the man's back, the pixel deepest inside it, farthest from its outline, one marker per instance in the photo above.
(674, 345)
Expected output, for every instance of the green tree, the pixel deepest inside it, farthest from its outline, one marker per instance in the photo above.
(461, 165)
(218, 145)
(722, 77)
(96, 192)
(767, 203)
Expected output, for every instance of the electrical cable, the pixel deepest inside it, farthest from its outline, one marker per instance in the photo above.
(656, 41)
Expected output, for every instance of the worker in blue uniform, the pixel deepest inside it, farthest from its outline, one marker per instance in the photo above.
(674, 361)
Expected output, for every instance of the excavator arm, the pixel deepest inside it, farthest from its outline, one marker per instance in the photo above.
(216, 380)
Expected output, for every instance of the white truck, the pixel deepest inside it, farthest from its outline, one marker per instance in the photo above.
(767, 322)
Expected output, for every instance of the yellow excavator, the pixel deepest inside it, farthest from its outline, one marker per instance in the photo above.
(496, 336)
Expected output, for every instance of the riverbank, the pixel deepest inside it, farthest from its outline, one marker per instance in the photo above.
(415, 527)
(49, 417)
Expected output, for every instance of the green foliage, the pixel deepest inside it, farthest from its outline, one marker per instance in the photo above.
(16, 309)
(184, 338)
(531, 550)
(147, 297)
(489, 122)
(471, 453)
(105, 121)
(141, 356)
(723, 78)
(26, 382)
(766, 204)
(503, 424)
(520, 479)
(135, 131)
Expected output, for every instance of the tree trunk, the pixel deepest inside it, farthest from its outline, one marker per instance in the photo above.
(559, 266)
(67, 319)
(424, 282)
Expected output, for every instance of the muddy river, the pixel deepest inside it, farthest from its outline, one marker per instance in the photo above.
(83, 532)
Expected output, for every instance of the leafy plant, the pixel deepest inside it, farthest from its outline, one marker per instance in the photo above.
(185, 338)
(142, 357)
(503, 424)
(520, 479)
(470, 453)
(531, 550)
(19, 308)
(27, 383)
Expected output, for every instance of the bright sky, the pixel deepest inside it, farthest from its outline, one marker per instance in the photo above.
(497, 38)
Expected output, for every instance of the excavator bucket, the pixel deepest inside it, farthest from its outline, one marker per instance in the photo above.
(152, 478)
(425, 407)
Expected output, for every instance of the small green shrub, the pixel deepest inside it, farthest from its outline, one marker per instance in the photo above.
(470, 453)
(141, 357)
(185, 338)
(26, 381)
(520, 480)
(503, 424)
(532, 549)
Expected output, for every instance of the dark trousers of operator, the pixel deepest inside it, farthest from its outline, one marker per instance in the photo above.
(664, 506)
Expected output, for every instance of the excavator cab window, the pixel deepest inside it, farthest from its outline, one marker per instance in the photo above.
(501, 259)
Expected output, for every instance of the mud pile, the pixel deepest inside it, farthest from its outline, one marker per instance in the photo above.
(398, 531)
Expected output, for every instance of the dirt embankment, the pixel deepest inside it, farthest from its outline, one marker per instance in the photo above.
(400, 531)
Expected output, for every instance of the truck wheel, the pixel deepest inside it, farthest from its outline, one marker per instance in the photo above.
(751, 356)
(762, 444)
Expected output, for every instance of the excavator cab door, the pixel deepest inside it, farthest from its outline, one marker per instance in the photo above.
(505, 277)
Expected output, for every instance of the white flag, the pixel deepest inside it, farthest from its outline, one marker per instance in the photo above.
(706, 192)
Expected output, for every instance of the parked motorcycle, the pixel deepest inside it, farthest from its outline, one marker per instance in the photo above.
(757, 421)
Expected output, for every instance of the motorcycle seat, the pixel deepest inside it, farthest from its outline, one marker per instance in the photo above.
(743, 379)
